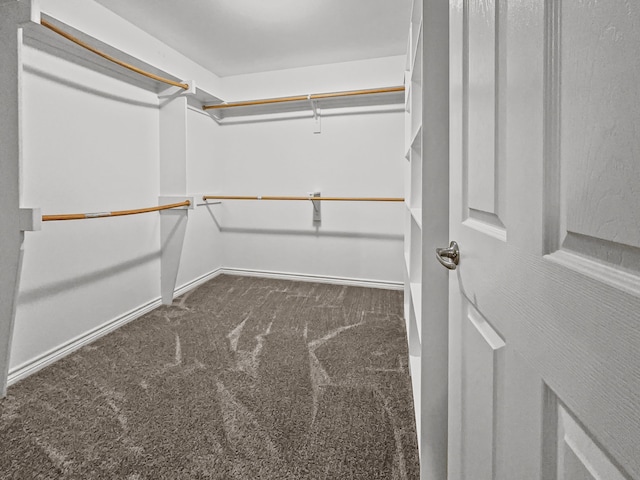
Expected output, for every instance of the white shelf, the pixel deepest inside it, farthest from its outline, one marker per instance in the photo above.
(407, 229)
(414, 366)
(302, 106)
(409, 54)
(416, 87)
(416, 136)
(415, 26)
(415, 255)
(415, 178)
(407, 144)
(416, 140)
(407, 301)
(44, 39)
(416, 214)
(414, 145)
(414, 148)
(416, 112)
(407, 91)
(416, 53)
(414, 200)
(416, 302)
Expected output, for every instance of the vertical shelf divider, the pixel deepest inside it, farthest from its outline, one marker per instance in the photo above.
(413, 204)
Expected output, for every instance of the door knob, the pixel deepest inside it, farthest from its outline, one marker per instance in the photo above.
(449, 257)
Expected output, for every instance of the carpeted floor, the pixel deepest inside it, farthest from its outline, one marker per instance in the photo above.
(240, 379)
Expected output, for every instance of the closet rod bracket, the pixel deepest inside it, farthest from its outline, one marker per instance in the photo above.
(316, 114)
(30, 219)
(317, 212)
(177, 91)
(164, 199)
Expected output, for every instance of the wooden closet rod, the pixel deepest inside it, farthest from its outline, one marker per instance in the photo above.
(83, 216)
(334, 199)
(298, 98)
(128, 66)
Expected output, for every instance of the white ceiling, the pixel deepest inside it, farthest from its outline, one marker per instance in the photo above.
(232, 37)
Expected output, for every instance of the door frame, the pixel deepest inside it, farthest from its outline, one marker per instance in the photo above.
(435, 233)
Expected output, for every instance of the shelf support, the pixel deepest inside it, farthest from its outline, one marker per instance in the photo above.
(316, 115)
(173, 91)
(173, 187)
(317, 212)
(173, 227)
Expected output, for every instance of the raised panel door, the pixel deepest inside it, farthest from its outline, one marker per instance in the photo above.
(544, 307)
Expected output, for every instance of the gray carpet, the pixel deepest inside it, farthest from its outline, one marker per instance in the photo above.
(242, 378)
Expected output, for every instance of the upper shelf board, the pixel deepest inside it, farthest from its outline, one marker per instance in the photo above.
(305, 104)
(44, 39)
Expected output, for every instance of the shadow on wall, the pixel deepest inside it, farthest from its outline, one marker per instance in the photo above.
(314, 233)
(84, 88)
(225, 121)
(55, 288)
(211, 214)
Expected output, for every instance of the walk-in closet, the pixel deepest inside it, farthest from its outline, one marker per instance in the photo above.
(341, 239)
(204, 268)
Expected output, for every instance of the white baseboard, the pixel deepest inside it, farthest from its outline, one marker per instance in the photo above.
(47, 358)
(181, 290)
(304, 277)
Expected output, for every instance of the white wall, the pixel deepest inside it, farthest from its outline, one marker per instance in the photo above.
(91, 143)
(203, 247)
(363, 74)
(355, 155)
(104, 25)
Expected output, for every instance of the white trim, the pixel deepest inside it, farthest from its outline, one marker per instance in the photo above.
(181, 290)
(32, 366)
(305, 277)
(47, 358)
(616, 277)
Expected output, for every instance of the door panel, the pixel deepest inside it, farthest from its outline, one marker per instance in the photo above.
(599, 122)
(578, 457)
(520, 425)
(545, 193)
(481, 65)
(483, 172)
(482, 368)
(595, 99)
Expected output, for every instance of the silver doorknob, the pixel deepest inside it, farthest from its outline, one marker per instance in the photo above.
(449, 257)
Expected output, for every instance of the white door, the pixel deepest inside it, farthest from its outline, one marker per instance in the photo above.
(545, 206)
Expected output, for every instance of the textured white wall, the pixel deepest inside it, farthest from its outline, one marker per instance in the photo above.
(203, 249)
(355, 155)
(373, 73)
(106, 26)
(91, 143)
